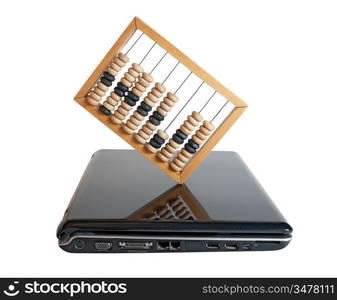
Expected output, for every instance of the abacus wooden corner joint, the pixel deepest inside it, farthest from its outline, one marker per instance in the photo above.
(164, 105)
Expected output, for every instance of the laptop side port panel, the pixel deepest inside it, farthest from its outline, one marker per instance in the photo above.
(169, 246)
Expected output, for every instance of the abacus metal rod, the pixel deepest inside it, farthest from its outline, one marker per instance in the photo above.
(148, 52)
(184, 105)
(210, 98)
(157, 64)
(182, 83)
(126, 53)
(219, 110)
(171, 72)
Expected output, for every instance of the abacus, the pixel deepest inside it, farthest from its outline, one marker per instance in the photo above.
(160, 85)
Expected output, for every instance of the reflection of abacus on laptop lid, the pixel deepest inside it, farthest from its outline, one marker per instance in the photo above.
(164, 105)
(178, 203)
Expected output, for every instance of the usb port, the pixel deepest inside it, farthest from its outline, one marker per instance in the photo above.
(231, 246)
(212, 245)
(246, 247)
(174, 246)
(163, 245)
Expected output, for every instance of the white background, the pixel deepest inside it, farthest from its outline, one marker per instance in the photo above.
(279, 56)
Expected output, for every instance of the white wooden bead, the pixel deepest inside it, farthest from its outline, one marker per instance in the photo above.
(127, 129)
(200, 135)
(184, 130)
(115, 120)
(182, 158)
(98, 91)
(147, 130)
(137, 68)
(173, 144)
(123, 57)
(116, 67)
(179, 163)
(197, 140)
(186, 153)
(123, 111)
(204, 130)
(133, 73)
(107, 105)
(170, 149)
(119, 116)
(139, 87)
(111, 101)
(126, 106)
(137, 92)
(152, 97)
(197, 116)
(174, 167)
(112, 71)
(162, 157)
(147, 77)
(92, 101)
(126, 82)
(208, 125)
(131, 125)
(160, 87)
(151, 148)
(114, 96)
(163, 112)
(143, 135)
(134, 121)
(188, 125)
(156, 93)
(162, 134)
(172, 97)
(149, 102)
(129, 77)
(139, 139)
(138, 116)
(165, 106)
(95, 96)
(103, 87)
(150, 125)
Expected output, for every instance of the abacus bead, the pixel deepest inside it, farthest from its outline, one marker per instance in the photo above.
(145, 106)
(94, 96)
(134, 121)
(152, 97)
(111, 101)
(160, 87)
(162, 157)
(149, 102)
(174, 167)
(107, 105)
(186, 153)
(200, 135)
(123, 111)
(143, 135)
(188, 125)
(158, 139)
(133, 73)
(118, 115)
(181, 134)
(138, 116)
(140, 88)
(126, 106)
(131, 125)
(182, 158)
(166, 153)
(184, 130)
(156, 93)
(197, 116)
(133, 97)
(208, 125)
(150, 125)
(119, 62)
(196, 139)
(122, 87)
(142, 111)
(172, 97)
(116, 67)
(137, 92)
(114, 96)
(204, 130)
(151, 148)
(129, 77)
(115, 120)
(177, 139)
(155, 144)
(106, 81)
(123, 57)
(137, 68)
(154, 121)
(127, 129)
(193, 144)
(147, 130)
(189, 148)
(92, 101)
(168, 101)
(147, 77)
(126, 82)
(119, 92)
(104, 110)
(165, 106)
(179, 163)
(112, 71)
(108, 76)
(129, 101)
(162, 111)
(162, 134)
(98, 91)
(158, 116)
(193, 121)
(139, 139)
(173, 143)
(170, 148)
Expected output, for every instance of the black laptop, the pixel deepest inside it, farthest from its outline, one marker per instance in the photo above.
(123, 203)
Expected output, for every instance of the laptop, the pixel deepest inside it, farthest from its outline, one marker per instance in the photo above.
(123, 203)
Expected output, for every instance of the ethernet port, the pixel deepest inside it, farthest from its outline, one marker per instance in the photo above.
(175, 246)
(163, 246)
(231, 246)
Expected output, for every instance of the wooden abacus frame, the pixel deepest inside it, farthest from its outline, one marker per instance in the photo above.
(196, 160)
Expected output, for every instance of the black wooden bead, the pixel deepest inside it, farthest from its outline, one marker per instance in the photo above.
(146, 106)
(129, 101)
(119, 92)
(108, 76)
(122, 87)
(143, 112)
(104, 110)
(177, 139)
(155, 144)
(193, 144)
(158, 116)
(133, 97)
(158, 139)
(154, 121)
(189, 148)
(106, 81)
(181, 134)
